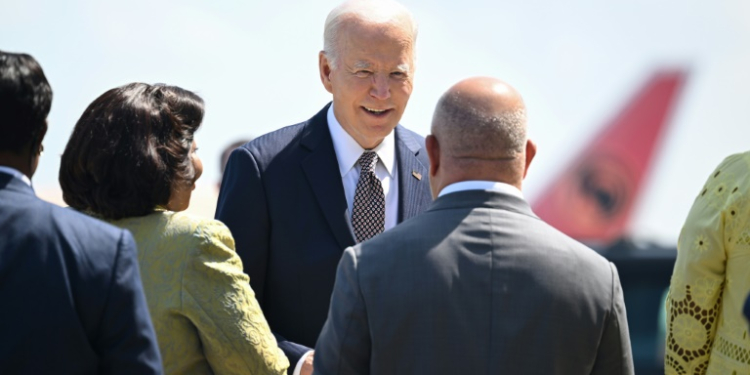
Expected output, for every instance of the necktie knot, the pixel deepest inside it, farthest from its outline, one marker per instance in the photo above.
(368, 160)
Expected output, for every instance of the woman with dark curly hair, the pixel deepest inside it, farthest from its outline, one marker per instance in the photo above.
(131, 161)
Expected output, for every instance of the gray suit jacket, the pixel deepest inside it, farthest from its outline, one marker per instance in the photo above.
(475, 285)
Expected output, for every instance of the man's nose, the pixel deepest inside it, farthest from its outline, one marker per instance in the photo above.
(380, 87)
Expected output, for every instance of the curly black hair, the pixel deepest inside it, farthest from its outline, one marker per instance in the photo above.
(129, 149)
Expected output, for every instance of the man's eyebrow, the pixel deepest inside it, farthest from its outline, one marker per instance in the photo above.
(361, 65)
(403, 67)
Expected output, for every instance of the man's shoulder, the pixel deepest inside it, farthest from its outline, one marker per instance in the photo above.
(403, 131)
(73, 223)
(572, 262)
(411, 138)
(273, 143)
(52, 217)
(90, 241)
(64, 231)
(541, 236)
(276, 140)
(558, 238)
(533, 233)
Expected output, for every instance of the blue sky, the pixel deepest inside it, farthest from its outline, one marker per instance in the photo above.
(255, 64)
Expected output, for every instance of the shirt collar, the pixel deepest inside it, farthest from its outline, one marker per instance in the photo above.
(15, 173)
(481, 185)
(348, 150)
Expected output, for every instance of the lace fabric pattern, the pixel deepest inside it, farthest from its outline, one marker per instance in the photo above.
(706, 332)
(205, 314)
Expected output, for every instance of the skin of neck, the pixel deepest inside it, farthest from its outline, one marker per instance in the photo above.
(19, 161)
(446, 170)
(453, 171)
(27, 160)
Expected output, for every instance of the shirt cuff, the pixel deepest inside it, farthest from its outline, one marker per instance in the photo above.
(298, 367)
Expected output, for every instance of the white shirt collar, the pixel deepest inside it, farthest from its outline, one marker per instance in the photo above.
(348, 150)
(15, 173)
(481, 185)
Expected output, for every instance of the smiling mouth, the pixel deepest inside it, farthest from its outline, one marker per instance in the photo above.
(376, 112)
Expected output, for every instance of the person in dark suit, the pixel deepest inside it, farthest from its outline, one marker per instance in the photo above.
(477, 284)
(69, 284)
(294, 199)
(224, 158)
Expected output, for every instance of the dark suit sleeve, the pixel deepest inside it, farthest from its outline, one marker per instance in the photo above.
(292, 350)
(243, 208)
(344, 345)
(614, 355)
(126, 342)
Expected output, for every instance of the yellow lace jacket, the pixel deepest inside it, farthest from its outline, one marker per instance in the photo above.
(706, 332)
(205, 314)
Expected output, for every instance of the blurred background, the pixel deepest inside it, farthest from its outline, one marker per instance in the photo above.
(576, 62)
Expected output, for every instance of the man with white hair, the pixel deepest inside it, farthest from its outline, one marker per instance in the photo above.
(477, 284)
(297, 197)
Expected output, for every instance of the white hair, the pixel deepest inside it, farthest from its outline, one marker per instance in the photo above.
(374, 11)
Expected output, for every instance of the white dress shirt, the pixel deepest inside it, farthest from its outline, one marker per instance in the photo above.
(15, 173)
(481, 185)
(348, 152)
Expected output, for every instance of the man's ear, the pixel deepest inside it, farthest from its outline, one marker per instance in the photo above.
(325, 71)
(433, 153)
(36, 146)
(43, 132)
(530, 153)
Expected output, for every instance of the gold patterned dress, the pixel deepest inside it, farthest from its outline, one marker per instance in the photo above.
(706, 332)
(205, 314)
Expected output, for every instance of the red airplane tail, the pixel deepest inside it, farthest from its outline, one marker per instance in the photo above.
(593, 199)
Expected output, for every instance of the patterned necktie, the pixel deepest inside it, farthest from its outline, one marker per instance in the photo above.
(368, 216)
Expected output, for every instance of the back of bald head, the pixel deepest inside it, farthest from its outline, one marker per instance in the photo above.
(480, 119)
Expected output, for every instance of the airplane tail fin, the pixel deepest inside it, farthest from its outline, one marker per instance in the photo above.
(593, 199)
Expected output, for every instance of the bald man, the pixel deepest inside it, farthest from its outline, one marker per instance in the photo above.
(477, 284)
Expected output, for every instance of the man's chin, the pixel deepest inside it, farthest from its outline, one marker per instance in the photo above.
(380, 131)
(373, 136)
(381, 125)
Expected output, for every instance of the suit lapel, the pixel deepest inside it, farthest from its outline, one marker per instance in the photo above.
(414, 190)
(322, 172)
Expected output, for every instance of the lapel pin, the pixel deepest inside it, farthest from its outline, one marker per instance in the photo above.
(417, 175)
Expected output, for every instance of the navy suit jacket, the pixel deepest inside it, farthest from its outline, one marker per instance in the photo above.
(70, 291)
(282, 196)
